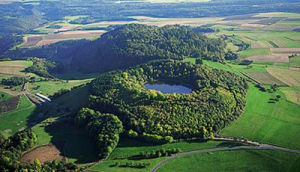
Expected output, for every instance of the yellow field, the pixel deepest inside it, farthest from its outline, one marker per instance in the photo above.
(287, 76)
(42, 39)
(14, 67)
(292, 94)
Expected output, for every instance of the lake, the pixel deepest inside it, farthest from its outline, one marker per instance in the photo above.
(166, 88)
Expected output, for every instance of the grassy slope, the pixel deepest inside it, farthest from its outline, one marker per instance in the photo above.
(50, 87)
(16, 119)
(292, 94)
(75, 99)
(275, 123)
(128, 148)
(74, 143)
(4, 96)
(242, 160)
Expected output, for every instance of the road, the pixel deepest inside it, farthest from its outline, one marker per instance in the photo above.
(257, 146)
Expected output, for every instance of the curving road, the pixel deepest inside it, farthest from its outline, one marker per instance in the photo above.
(258, 147)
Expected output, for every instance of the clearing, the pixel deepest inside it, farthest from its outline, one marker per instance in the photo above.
(42, 153)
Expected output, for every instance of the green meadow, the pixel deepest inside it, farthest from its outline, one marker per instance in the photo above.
(238, 160)
(48, 88)
(4, 96)
(129, 148)
(11, 122)
(275, 123)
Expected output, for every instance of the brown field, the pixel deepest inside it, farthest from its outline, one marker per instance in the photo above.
(285, 51)
(9, 104)
(292, 95)
(40, 40)
(272, 58)
(43, 153)
(12, 69)
(263, 78)
(287, 76)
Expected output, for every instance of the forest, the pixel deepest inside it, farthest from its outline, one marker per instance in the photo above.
(218, 97)
(133, 44)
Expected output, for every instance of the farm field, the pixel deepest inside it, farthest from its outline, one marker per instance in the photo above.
(238, 160)
(254, 28)
(264, 78)
(287, 76)
(267, 122)
(46, 39)
(14, 67)
(292, 94)
(294, 61)
(11, 122)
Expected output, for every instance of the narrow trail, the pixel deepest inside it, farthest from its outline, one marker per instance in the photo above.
(256, 146)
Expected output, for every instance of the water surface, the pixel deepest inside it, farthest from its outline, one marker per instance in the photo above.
(166, 88)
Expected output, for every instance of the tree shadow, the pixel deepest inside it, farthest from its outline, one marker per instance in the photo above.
(230, 144)
(73, 143)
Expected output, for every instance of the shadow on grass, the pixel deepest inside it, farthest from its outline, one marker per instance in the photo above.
(230, 144)
(72, 142)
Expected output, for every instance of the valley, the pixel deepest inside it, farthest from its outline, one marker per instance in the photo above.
(142, 87)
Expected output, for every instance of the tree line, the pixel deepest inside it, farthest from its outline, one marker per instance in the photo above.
(104, 128)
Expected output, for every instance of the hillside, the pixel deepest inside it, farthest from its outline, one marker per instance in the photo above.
(217, 98)
(133, 44)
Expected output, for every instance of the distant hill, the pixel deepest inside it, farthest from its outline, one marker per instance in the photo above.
(133, 44)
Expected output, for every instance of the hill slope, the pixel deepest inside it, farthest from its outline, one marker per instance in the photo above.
(133, 44)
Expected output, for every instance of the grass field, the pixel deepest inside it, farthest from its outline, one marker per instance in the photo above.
(48, 88)
(128, 148)
(275, 123)
(294, 61)
(254, 52)
(13, 121)
(4, 96)
(241, 160)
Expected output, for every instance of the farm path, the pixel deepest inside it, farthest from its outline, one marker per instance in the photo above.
(256, 146)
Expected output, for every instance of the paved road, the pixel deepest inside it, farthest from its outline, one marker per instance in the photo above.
(259, 147)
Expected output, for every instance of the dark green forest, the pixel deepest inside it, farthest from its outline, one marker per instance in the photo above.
(133, 44)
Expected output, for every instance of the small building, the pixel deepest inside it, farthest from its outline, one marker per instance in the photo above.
(43, 98)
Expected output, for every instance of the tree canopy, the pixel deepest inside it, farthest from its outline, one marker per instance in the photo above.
(218, 97)
(133, 44)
